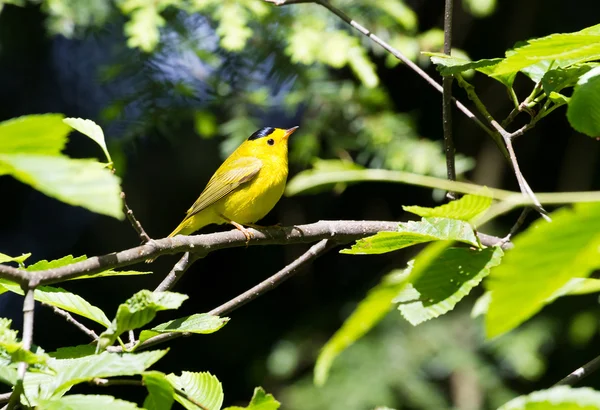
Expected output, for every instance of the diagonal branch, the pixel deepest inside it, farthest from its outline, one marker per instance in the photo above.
(201, 245)
(69, 318)
(265, 286)
(177, 272)
(578, 374)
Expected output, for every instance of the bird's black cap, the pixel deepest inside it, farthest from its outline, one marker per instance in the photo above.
(263, 132)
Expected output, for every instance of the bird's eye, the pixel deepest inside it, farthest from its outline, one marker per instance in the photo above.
(270, 141)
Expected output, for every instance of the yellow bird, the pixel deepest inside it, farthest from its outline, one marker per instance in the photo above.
(245, 187)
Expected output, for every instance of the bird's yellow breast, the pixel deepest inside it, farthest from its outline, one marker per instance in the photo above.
(255, 199)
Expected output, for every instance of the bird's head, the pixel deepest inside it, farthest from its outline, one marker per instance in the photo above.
(268, 142)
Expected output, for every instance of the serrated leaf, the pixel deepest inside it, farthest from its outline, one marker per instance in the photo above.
(260, 401)
(583, 111)
(73, 352)
(90, 129)
(160, 391)
(138, 311)
(370, 311)
(8, 374)
(19, 259)
(413, 233)
(12, 348)
(64, 300)
(450, 65)
(579, 46)
(557, 79)
(543, 260)
(203, 388)
(448, 279)
(466, 208)
(43, 134)
(81, 182)
(557, 398)
(69, 372)
(86, 402)
(70, 259)
(201, 323)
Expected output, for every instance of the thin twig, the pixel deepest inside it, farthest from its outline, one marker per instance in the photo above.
(265, 286)
(585, 370)
(134, 221)
(177, 272)
(27, 340)
(4, 397)
(395, 52)
(340, 231)
(447, 100)
(515, 228)
(69, 318)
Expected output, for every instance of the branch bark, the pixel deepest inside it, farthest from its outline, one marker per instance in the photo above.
(202, 245)
(447, 100)
(578, 374)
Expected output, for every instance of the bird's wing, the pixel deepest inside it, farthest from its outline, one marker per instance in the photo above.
(224, 182)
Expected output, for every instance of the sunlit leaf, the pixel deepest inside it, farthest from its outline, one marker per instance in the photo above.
(201, 323)
(203, 388)
(466, 208)
(448, 279)
(40, 134)
(260, 401)
(480, 8)
(584, 107)
(19, 259)
(70, 259)
(413, 233)
(92, 130)
(86, 402)
(557, 79)
(541, 263)
(557, 398)
(81, 182)
(160, 391)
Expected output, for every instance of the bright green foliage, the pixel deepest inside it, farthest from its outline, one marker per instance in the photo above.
(86, 402)
(160, 391)
(565, 49)
(203, 387)
(30, 151)
(557, 398)
(11, 348)
(584, 107)
(73, 352)
(260, 401)
(64, 300)
(70, 259)
(447, 279)
(19, 259)
(370, 311)
(541, 263)
(92, 130)
(201, 323)
(466, 208)
(556, 80)
(69, 372)
(480, 8)
(138, 311)
(413, 233)
(450, 65)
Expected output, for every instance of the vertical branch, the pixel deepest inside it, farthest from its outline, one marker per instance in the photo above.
(27, 338)
(134, 222)
(447, 100)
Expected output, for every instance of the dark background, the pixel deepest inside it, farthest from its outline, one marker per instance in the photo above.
(164, 165)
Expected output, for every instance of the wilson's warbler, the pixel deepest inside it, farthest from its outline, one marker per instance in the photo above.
(245, 187)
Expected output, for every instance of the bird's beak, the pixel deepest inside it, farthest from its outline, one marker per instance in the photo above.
(289, 132)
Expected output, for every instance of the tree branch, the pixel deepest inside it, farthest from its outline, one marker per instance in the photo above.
(202, 245)
(395, 52)
(134, 222)
(73, 321)
(27, 339)
(177, 272)
(265, 286)
(447, 100)
(585, 370)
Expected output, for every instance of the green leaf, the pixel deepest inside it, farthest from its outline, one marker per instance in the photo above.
(86, 402)
(557, 398)
(142, 29)
(203, 388)
(19, 259)
(480, 8)
(69, 372)
(580, 46)
(138, 311)
(201, 323)
(448, 279)
(466, 208)
(11, 347)
(73, 352)
(370, 311)
(413, 233)
(363, 67)
(160, 391)
(43, 134)
(260, 401)
(556, 80)
(92, 130)
(584, 107)
(70, 259)
(450, 65)
(8, 374)
(81, 182)
(545, 257)
(64, 300)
